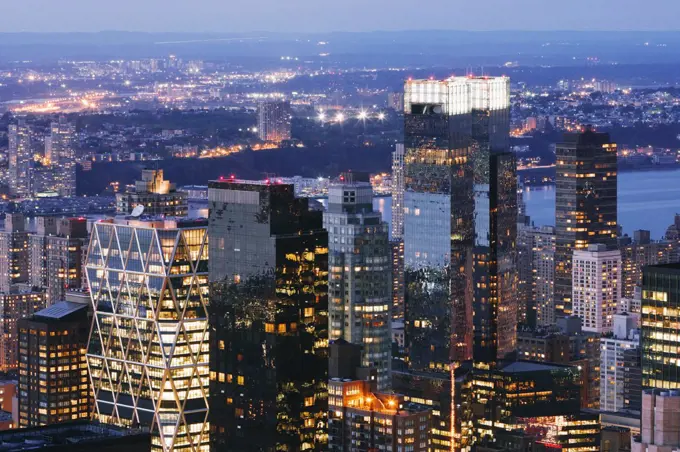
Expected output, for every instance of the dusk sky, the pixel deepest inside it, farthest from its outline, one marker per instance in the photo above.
(336, 15)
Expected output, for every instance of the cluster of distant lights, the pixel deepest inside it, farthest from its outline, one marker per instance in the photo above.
(340, 117)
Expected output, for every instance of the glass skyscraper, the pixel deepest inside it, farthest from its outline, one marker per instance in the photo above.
(585, 204)
(459, 222)
(360, 263)
(660, 327)
(269, 319)
(148, 349)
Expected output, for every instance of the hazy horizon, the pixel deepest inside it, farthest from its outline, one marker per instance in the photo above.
(313, 16)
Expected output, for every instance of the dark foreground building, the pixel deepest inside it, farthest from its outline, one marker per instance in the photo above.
(268, 319)
(81, 436)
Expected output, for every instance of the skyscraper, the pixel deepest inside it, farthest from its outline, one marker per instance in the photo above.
(613, 369)
(360, 264)
(269, 318)
(148, 349)
(585, 203)
(460, 207)
(273, 121)
(536, 265)
(14, 262)
(596, 287)
(640, 252)
(397, 232)
(15, 304)
(20, 159)
(53, 382)
(61, 155)
(659, 332)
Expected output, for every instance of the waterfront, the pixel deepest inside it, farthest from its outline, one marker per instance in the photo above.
(647, 200)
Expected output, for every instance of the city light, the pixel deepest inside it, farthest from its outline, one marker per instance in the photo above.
(339, 117)
(363, 114)
(322, 116)
(381, 116)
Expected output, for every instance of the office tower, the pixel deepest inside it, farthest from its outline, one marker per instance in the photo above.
(536, 268)
(17, 303)
(77, 436)
(156, 195)
(359, 272)
(362, 419)
(273, 121)
(538, 401)
(13, 252)
(659, 422)
(632, 378)
(20, 159)
(37, 250)
(61, 156)
(53, 381)
(660, 317)
(637, 253)
(398, 192)
(585, 203)
(612, 362)
(460, 213)
(148, 349)
(397, 232)
(269, 318)
(596, 287)
(566, 343)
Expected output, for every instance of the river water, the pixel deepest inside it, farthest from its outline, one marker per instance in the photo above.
(647, 200)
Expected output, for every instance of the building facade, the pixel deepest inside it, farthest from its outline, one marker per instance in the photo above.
(19, 302)
(20, 156)
(273, 121)
(54, 384)
(460, 213)
(614, 372)
(659, 422)
(596, 287)
(360, 280)
(585, 204)
(637, 253)
(660, 322)
(269, 318)
(148, 349)
(60, 152)
(14, 262)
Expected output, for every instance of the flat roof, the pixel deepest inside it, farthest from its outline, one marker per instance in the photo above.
(60, 310)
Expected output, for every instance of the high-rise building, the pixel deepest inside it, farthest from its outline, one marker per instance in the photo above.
(156, 195)
(148, 349)
(398, 192)
(613, 370)
(14, 262)
(54, 384)
(20, 159)
(274, 120)
(359, 272)
(269, 318)
(17, 303)
(536, 265)
(637, 253)
(660, 320)
(65, 257)
(659, 422)
(395, 101)
(56, 255)
(596, 287)
(397, 232)
(460, 213)
(61, 155)
(585, 204)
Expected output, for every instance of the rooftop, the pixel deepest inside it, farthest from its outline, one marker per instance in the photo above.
(60, 310)
(531, 366)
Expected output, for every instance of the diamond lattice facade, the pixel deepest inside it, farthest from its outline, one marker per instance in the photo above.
(148, 351)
